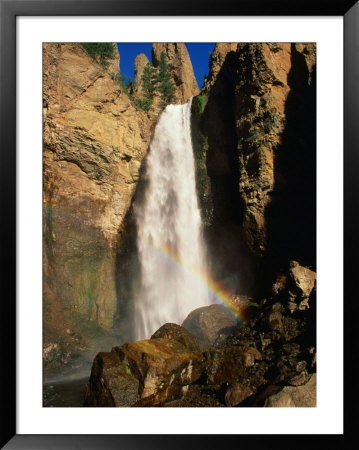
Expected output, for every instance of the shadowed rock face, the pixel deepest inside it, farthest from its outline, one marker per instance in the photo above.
(218, 57)
(180, 66)
(261, 93)
(259, 122)
(94, 142)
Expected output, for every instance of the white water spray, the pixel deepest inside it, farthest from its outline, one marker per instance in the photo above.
(170, 245)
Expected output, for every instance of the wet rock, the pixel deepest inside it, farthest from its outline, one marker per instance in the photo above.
(179, 334)
(111, 383)
(162, 366)
(301, 396)
(206, 323)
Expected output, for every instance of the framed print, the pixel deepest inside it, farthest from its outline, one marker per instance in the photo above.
(174, 189)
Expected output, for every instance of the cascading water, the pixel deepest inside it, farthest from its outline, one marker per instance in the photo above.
(171, 250)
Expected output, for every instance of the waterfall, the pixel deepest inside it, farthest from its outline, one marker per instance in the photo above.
(170, 245)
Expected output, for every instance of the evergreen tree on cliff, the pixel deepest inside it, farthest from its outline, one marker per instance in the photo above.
(100, 51)
(166, 86)
(148, 80)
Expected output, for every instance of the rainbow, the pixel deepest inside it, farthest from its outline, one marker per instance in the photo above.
(222, 295)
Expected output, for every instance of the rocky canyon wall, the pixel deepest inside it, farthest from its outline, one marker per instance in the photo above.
(259, 124)
(93, 143)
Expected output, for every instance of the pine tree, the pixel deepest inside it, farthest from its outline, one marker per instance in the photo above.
(100, 51)
(148, 79)
(148, 82)
(166, 86)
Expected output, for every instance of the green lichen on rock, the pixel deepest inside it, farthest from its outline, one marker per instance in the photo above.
(198, 104)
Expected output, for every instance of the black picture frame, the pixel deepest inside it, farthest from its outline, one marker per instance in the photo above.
(9, 10)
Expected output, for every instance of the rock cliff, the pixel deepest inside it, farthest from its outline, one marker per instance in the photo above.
(141, 61)
(218, 57)
(259, 124)
(114, 63)
(180, 66)
(93, 143)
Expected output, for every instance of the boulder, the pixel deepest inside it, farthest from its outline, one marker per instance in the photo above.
(162, 366)
(206, 323)
(303, 281)
(300, 396)
(226, 364)
(237, 393)
(111, 383)
(179, 334)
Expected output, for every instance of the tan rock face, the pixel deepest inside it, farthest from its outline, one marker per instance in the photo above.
(140, 62)
(114, 63)
(218, 57)
(180, 66)
(94, 141)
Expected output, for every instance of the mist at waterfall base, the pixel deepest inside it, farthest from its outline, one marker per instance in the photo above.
(171, 250)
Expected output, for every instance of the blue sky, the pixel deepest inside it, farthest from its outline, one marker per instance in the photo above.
(199, 53)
